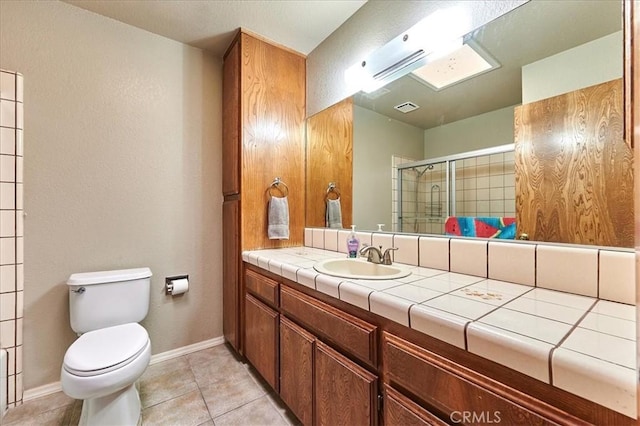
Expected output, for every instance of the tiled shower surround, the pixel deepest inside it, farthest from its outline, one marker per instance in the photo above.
(11, 230)
(484, 186)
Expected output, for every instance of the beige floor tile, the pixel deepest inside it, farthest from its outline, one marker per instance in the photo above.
(185, 410)
(55, 417)
(259, 412)
(32, 408)
(166, 380)
(214, 354)
(216, 368)
(230, 393)
(209, 423)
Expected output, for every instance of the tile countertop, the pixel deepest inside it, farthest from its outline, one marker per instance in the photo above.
(590, 343)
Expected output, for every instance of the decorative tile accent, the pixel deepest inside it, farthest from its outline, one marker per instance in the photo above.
(573, 372)
(434, 252)
(570, 269)
(11, 229)
(512, 262)
(407, 246)
(441, 325)
(317, 238)
(384, 240)
(392, 307)
(307, 277)
(308, 237)
(617, 276)
(355, 294)
(469, 257)
(522, 353)
(331, 239)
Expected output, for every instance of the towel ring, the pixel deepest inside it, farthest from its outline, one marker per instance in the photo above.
(332, 190)
(275, 185)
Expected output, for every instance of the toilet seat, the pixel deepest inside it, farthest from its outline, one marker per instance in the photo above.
(101, 351)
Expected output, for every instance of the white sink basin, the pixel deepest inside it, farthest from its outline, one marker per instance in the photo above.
(360, 269)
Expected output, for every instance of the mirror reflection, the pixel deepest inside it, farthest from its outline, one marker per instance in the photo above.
(426, 147)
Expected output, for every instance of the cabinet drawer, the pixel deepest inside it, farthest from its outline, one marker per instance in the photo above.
(262, 287)
(401, 411)
(356, 336)
(451, 390)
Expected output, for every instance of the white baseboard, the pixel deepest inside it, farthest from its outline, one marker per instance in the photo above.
(50, 388)
(41, 391)
(185, 350)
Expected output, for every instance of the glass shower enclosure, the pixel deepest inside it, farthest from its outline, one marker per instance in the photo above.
(474, 183)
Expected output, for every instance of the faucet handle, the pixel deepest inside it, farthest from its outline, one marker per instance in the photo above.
(386, 258)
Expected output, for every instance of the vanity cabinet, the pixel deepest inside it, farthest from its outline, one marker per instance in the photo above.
(401, 411)
(261, 339)
(297, 347)
(345, 393)
(335, 364)
(449, 390)
(263, 98)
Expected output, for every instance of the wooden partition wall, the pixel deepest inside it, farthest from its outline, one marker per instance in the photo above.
(330, 159)
(272, 85)
(574, 171)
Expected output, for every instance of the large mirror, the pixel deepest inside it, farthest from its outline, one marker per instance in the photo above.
(514, 141)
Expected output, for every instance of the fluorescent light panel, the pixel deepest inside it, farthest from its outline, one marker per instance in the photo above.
(460, 65)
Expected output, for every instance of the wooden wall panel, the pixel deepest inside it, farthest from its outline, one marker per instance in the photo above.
(574, 171)
(231, 122)
(330, 159)
(273, 112)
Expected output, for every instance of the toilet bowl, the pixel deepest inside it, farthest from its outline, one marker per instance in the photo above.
(101, 368)
(113, 350)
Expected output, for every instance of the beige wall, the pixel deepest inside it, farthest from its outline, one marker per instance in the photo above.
(481, 131)
(122, 169)
(592, 63)
(376, 138)
(373, 25)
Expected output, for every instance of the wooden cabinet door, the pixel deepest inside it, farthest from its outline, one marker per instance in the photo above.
(576, 186)
(398, 410)
(261, 339)
(231, 122)
(345, 393)
(296, 370)
(231, 272)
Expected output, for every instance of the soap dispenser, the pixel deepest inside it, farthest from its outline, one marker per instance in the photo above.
(353, 244)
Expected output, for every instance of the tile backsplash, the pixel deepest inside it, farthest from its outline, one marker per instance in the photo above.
(602, 272)
(11, 230)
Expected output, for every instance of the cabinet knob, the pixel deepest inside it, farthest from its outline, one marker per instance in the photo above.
(524, 237)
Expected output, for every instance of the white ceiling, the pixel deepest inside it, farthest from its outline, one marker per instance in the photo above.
(210, 24)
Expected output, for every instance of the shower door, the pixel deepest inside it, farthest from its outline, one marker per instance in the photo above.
(423, 201)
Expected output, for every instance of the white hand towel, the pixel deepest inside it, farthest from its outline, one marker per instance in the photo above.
(334, 214)
(278, 228)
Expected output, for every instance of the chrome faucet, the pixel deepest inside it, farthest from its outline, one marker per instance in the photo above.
(375, 255)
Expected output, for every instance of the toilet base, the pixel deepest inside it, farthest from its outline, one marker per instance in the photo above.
(120, 408)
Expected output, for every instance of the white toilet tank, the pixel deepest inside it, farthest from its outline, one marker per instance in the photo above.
(107, 298)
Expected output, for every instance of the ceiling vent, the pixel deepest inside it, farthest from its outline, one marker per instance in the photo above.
(406, 107)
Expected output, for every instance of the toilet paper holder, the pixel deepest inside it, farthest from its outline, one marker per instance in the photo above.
(168, 282)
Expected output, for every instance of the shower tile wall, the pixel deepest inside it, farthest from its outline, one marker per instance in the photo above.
(485, 186)
(11, 229)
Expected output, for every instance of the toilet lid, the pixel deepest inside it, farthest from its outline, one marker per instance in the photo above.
(106, 348)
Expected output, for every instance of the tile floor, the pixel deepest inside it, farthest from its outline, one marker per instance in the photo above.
(209, 387)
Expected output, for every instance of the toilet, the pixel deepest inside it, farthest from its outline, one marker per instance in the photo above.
(101, 367)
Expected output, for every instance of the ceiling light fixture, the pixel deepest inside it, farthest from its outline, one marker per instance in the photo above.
(435, 36)
(461, 64)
